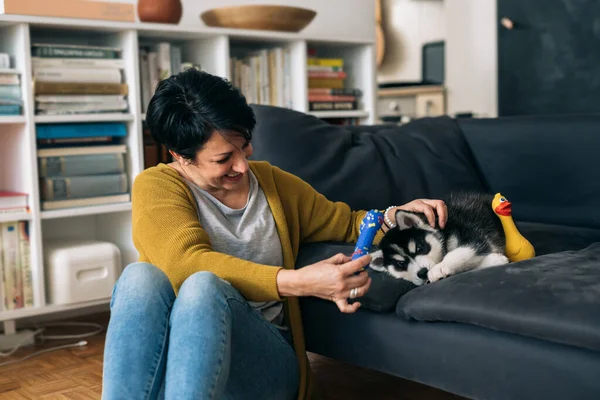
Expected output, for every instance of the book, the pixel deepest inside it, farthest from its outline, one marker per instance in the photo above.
(10, 92)
(332, 105)
(73, 187)
(71, 62)
(26, 270)
(4, 61)
(53, 50)
(328, 83)
(327, 74)
(75, 142)
(13, 283)
(80, 130)
(84, 202)
(10, 78)
(10, 109)
(53, 88)
(73, 161)
(62, 108)
(9, 199)
(326, 62)
(78, 75)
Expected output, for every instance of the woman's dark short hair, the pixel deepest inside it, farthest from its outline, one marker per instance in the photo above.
(188, 107)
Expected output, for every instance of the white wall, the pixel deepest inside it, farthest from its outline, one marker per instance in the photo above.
(345, 19)
(408, 24)
(469, 28)
(471, 56)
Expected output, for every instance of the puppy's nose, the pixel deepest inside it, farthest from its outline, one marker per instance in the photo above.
(422, 274)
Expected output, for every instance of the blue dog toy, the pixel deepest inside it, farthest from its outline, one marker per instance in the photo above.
(368, 229)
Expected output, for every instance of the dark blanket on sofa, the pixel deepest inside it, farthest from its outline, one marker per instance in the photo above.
(555, 297)
(385, 291)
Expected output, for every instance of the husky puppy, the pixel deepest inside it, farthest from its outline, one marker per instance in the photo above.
(472, 238)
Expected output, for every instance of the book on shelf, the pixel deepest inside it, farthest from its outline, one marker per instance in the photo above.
(79, 138)
(75, 142)
(264, 76)
(77, 79)
(80, 130)
(327, 87)
(62, 50)
(15, 265)
(4, 61)
(332, 105)
(89, 160)
(82, 186)
(85, 202)
(10, 200)
(159, 61)
(11, 101)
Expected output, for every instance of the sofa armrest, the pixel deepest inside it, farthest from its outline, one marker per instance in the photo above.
(547, 166)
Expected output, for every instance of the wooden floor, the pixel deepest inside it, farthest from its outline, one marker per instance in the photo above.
(76, 373)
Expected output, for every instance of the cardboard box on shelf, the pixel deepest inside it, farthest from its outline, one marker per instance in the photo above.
(87, 9)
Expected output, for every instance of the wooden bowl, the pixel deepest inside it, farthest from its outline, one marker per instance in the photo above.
(262, 17)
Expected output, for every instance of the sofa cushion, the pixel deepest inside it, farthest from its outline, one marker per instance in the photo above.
(547, 238)
(554, 297)
(367, 166)
(547, 165)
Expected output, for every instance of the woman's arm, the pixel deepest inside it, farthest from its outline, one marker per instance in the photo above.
(167, 233)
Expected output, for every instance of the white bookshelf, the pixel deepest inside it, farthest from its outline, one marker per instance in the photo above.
(209, 47)
(12, 119)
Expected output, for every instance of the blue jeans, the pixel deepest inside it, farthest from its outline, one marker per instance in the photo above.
(206, 343)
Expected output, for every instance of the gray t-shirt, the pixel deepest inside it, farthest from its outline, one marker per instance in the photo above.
(248, 233)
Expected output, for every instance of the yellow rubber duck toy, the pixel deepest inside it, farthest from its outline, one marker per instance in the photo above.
(517, 247)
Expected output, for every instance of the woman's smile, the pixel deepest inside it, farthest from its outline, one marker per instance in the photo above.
(233, 177)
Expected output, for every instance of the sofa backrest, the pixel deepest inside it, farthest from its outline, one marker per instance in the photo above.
(367, 166)
(547, 166)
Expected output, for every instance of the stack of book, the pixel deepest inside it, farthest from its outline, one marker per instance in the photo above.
(327, 89)
(15, 265)
(157, 62)
(264, 76)
(78, 79)
(10, 88)
(82, 165)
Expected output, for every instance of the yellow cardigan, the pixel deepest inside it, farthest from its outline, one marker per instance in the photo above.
(167, 234)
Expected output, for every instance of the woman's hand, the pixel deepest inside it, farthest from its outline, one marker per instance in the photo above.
(330, 279)
(428, 207)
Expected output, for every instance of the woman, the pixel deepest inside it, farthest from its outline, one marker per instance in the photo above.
(210, 311)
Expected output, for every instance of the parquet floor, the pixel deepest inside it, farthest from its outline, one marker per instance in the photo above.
(76, 374)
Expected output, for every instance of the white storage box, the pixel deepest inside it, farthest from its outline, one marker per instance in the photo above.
(78, 271)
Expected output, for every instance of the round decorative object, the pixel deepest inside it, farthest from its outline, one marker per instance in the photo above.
(162, 11)
(261, 17)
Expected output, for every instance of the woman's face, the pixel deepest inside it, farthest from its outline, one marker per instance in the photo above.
(221, 164)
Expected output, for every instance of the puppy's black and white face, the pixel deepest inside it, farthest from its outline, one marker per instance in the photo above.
(410, 249)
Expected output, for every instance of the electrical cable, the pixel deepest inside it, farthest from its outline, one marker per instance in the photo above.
(39, 333)
(81, 343)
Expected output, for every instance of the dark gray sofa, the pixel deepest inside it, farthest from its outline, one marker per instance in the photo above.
(527, 330)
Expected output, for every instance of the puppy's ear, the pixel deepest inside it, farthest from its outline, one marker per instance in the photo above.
(409, 219)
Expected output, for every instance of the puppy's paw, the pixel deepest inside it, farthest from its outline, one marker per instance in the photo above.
(494, 259)
(436, 273)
